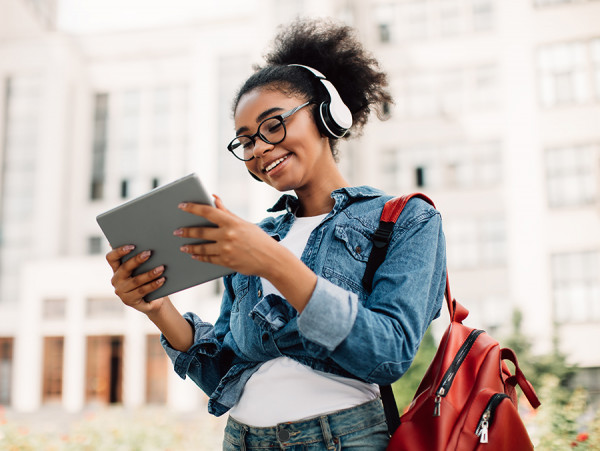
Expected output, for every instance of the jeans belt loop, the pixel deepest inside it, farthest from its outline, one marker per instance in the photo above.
(243, 433)
(327, 437)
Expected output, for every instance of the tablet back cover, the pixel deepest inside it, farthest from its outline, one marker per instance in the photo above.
(148, 223)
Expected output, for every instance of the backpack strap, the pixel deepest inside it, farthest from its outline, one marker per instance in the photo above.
(381, 241)
(382, 236)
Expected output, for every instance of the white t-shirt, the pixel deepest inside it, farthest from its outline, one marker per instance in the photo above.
(284, 390)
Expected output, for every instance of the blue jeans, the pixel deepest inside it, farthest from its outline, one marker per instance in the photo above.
(359, 428)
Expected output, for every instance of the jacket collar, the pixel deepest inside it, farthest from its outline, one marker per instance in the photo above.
(341, 196)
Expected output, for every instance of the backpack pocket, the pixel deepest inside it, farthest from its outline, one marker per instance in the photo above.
(492, 423)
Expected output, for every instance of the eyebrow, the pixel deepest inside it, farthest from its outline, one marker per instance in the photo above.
(259, 119)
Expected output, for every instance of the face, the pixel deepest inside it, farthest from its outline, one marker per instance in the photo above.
(301, 158)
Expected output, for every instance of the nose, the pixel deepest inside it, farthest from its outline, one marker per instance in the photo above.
(261, 147)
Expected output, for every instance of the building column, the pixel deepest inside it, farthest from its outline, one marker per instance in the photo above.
(27, 389)
(134, 360)
(75, 355)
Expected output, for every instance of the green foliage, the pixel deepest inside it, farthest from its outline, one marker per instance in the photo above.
(406, 386)
(536, 367)
(560, 423)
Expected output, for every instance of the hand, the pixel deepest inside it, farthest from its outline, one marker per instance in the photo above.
(132, 289)
(234, 243)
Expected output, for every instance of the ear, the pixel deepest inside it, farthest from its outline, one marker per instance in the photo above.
(255, 177)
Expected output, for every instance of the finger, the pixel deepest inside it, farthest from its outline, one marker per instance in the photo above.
(134, 296)
(201, 249)
(200, 233)
(125, 269)
(114, 256)
(142, 279)
(209, 212)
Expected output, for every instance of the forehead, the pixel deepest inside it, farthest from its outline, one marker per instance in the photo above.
(255, 102)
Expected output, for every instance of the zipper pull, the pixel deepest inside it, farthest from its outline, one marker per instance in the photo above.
(482, 429)
(483, 432)
(438, 401)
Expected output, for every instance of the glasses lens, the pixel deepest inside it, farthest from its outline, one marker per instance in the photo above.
(272, 130)
(242, 147)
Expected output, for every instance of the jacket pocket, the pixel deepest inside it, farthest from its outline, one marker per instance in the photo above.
(347, 257)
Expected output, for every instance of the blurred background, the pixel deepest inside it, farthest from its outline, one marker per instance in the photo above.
(496, 117)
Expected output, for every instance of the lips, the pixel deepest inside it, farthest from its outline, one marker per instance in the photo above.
(274, 164)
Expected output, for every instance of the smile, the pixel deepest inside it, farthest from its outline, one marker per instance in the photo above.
(275, 164)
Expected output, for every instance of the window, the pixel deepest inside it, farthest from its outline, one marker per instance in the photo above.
(564, 74)
(449, 92)
(124, 188)
(450, 17)
(420, 177)
(476, 242)
(384, 33)
(157, 369)
(388, 169)
(104, 308)
(542, 3)
(596, 65)
(6, 364)
(99, 146)
(483, 15)
(54, 308)
(576, 286)
(21, 124)
(95, 245)
(572, 175)
(448, 166)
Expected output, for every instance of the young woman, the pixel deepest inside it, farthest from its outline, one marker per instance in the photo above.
(300, 345)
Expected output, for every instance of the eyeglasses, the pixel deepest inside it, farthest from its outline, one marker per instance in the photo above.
(271, 130)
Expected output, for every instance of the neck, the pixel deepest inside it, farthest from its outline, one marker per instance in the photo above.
(316, 199)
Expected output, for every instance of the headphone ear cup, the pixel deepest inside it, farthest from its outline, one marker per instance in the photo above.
(327, 124)
(336, 116)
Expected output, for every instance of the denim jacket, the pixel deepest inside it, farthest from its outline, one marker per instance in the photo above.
(344, 329)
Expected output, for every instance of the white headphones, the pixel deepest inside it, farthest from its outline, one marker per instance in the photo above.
(335, 117)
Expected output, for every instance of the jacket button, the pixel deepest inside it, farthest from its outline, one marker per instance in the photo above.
(358, 249)
(259, 293)
(283, 435)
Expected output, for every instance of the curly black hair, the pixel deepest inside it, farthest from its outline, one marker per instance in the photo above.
(333, 49)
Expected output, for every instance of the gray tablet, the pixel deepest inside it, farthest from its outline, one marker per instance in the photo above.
(148, 223)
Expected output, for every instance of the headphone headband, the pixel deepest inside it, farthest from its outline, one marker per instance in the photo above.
(335, 117)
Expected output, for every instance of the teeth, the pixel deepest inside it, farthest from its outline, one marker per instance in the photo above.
(275, 163)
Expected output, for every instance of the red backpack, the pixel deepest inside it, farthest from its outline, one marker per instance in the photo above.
(467, 399)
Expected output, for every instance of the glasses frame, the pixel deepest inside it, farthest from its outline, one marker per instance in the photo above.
(282, 117)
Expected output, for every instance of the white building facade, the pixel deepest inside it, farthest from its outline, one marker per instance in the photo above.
(496, 118)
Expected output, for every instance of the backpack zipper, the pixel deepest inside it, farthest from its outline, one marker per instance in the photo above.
(453, 368)
(488, 416)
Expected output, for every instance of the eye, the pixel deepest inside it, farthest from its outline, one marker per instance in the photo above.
(274, 127)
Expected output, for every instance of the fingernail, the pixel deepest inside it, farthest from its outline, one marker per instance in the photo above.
(183, 248)
(183, 205)
(159, 269)
(145, 254)
(178, 232)
(160, 281)
(128, 248)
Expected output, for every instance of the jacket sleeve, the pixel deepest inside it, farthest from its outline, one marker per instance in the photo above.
(209, 358)
(376, 340)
